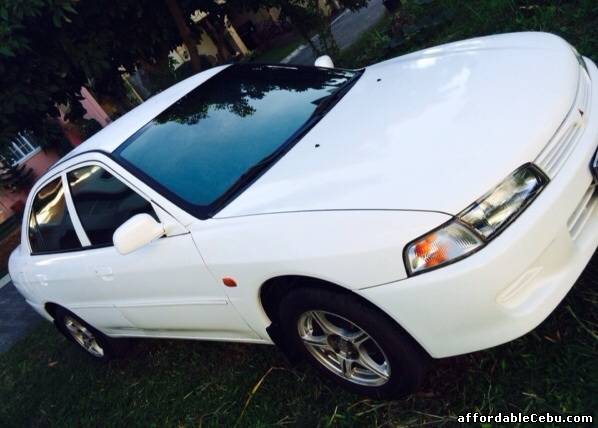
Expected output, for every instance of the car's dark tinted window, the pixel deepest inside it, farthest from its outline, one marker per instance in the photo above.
(50, 226)
(200, 148)
(103, 202)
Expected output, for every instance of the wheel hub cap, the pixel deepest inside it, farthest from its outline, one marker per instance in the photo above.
(343, 348)
(83, 336)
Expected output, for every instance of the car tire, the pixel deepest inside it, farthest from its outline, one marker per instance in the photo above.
(352, 342)
(87, 338)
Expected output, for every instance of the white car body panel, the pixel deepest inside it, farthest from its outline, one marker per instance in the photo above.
(459, 102)
(163, 289)
(440, 128)
(512, 285)
(255, 249)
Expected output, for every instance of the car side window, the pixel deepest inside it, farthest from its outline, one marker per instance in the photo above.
(50, 225)
(103, 202)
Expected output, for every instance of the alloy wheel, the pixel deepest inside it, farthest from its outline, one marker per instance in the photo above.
(343, 348)
(83, 336)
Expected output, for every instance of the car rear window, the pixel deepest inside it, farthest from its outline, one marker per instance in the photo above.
(50, 225)
(203, 149)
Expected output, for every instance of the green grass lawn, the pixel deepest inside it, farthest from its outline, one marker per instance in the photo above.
(45, 381)
(431, 23)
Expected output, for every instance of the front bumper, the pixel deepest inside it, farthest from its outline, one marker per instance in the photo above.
(513, 284)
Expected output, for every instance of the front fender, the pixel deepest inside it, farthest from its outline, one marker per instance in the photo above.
(352, 248)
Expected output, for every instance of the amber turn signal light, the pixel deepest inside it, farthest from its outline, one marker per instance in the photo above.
(229, 282)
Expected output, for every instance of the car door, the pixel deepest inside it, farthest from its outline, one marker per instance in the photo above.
(163, 288)
(56, 254)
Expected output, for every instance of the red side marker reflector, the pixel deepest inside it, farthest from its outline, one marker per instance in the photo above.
(229, 282)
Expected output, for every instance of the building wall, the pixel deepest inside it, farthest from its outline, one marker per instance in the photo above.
(39, 163)
(237, 41)
(43, 159)
(205, 46)
(93, 108)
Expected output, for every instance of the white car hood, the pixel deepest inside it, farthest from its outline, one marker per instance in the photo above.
(432, 130)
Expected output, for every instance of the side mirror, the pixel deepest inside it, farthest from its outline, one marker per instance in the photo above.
(136, 232)
(324, 61)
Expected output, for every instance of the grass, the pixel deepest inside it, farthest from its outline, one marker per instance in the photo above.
(278, 53)
(45, 381)
(370, 47)
(442, 21)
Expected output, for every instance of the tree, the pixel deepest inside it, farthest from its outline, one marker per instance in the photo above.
(185, 33)
(32, 82)
(214, 23)
(49, 49)
(307, 17)
(215, 26)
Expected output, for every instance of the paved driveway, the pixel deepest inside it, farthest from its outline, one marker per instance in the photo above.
(16, 316)
(346, 29)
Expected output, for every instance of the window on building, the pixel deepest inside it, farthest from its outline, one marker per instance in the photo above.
(21, 148)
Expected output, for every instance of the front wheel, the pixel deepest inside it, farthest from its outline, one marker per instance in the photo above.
(352, 343)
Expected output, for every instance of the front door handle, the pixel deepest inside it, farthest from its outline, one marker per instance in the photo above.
(104, 272)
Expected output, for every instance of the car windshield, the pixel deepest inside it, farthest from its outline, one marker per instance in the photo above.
(216, 140)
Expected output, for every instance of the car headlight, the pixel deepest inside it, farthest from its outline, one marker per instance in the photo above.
(479, 223)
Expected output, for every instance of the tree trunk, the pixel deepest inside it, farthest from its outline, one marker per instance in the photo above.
(217, 37)
(305, 34)
(328, 42)
(185, 33)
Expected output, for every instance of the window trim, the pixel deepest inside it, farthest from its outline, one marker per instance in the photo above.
(79, 230)
(115, 175)
(29, 212)
(70, 204)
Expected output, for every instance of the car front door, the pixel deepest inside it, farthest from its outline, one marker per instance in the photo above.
(163, 288)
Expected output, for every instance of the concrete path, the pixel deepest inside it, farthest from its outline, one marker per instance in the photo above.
(346, 29)
(16, 316)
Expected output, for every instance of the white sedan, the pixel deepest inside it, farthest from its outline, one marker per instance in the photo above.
(430, 205)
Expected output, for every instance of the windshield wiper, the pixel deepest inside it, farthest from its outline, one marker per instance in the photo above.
(254, 171)
(328, 102)
(324, 103)
(262, 165)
